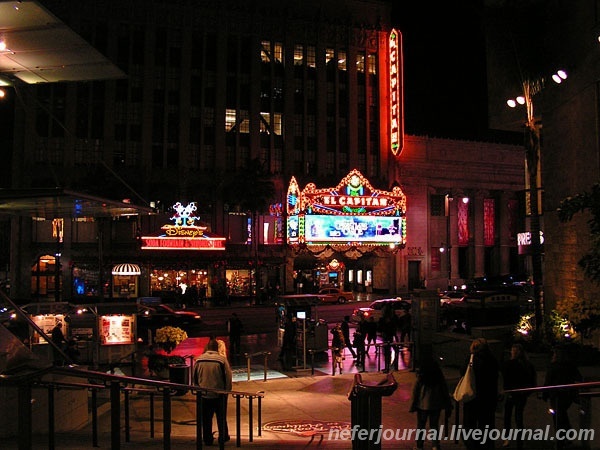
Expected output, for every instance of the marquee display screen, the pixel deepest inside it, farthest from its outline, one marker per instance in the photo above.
(368, 229)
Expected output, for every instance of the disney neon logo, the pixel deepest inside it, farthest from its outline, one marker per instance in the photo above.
(184, 215)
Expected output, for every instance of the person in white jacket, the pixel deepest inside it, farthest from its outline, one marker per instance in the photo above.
(212, 371)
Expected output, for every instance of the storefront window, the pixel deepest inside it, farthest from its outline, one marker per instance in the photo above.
(178, 281)
(44, 276)
(46, 322)
(239, 282)
(85, 281)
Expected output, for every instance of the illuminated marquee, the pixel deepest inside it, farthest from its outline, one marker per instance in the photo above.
(352, 213)
(396, 101)
(183, 235)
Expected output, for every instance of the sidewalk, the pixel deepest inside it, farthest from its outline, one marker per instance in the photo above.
(297, 412)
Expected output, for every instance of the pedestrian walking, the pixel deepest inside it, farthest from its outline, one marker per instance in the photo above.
(388, 326)
(405, 327)
(358, 342)
(212, 371)
(429, 398)
(345, 327)
(370, 327)
(561, 371)
(337, 347)
(480, 412)
(288, 345)
(234, 329)
(517, 373)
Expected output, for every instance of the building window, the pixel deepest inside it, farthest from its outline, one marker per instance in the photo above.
(229, 119)
(311, 56)
(329, 55)
(437, 205)
(342, 64)
(372, 64)
(360, 62)
(298, 55)
(278, 52)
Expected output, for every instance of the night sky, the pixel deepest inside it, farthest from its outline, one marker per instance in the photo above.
(444, 68)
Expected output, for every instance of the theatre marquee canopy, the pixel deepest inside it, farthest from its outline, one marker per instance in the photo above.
(352, 213)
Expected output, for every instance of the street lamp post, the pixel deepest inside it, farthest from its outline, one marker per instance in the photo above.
(532, 155)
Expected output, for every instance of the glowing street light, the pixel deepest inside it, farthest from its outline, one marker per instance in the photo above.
(532, 153)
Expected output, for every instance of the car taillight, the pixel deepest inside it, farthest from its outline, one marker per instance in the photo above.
(366, 314)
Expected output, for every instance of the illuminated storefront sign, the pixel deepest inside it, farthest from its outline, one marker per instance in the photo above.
(352, 213)
(183, 235)
(524, 242)
(396, 101)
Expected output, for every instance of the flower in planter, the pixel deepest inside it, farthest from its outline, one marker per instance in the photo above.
(169, 337)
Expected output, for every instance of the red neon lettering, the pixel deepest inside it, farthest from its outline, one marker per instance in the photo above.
(166, 243)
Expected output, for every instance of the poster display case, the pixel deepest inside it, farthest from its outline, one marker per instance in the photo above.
(116, 329)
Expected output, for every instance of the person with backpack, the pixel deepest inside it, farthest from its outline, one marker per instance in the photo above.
(212, 371)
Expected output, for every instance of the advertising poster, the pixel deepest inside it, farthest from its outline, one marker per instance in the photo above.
(116, 330)
(376, 229)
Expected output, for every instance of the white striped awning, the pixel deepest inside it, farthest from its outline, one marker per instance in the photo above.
(126, 269)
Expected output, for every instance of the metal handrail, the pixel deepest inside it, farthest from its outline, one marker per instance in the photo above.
(249, 357)
(116, 384)
(585, 404)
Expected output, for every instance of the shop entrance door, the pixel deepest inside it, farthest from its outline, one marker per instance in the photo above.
(414, 275)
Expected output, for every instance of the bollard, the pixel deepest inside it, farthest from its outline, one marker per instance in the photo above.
(366, 410)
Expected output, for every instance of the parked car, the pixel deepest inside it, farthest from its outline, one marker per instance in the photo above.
(481, 308)
(335, 295)
(447, 297)
(162, 315)
(375, 309)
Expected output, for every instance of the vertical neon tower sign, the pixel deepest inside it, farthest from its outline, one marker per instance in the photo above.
(396, 102)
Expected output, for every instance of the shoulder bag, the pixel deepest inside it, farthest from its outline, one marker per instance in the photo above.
(465, 389)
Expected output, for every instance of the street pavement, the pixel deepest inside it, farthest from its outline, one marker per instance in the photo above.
(298, 410)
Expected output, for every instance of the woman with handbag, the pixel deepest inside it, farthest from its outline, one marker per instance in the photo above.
(481, 410)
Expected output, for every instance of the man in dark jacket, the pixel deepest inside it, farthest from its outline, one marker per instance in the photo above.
(212, 371)
(234, 328)
(345, 326)
(58, 338)
(561, 371)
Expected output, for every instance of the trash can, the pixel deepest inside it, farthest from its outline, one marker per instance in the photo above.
(366, 409)
(179, 373)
